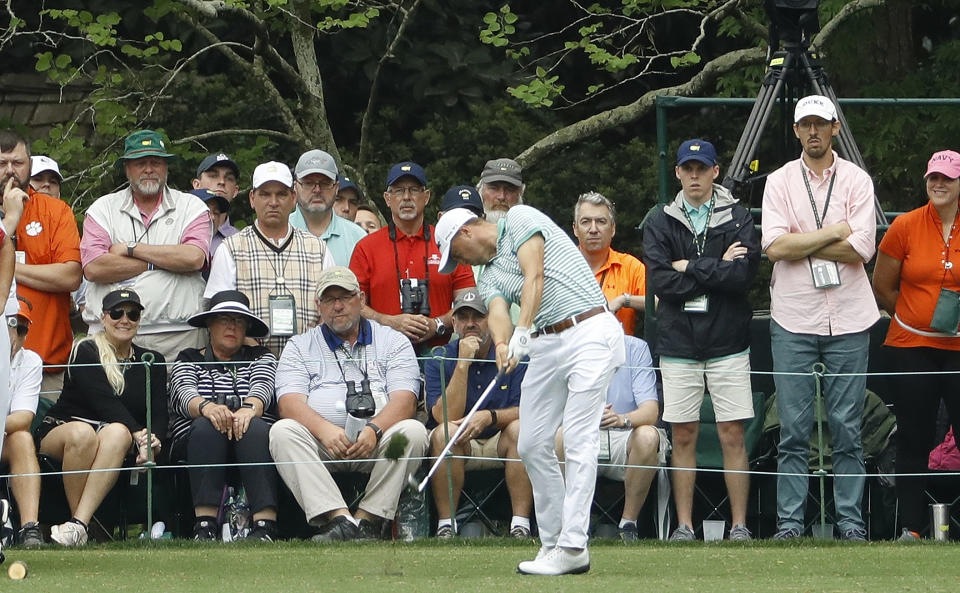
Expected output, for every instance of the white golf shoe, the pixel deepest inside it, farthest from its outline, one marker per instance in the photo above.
(557, 561)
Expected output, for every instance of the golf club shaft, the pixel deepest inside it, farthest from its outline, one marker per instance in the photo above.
(456, 434)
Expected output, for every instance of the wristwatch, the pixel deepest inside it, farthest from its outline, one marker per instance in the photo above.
(626, 422)
(626, 299)
(376, 430)
(441, 326)
(130, 247)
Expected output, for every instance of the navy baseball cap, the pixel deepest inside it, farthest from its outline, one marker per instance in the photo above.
(217, 159)
(462, 196)
(206, 195)
(697, 150)
(407, 169)
(347, 183)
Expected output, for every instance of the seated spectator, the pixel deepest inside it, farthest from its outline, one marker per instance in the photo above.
(19, 451)
(101, 415)
(317, 369)
(367, 218)
(468, 368)
(221, 399)
(629, 436)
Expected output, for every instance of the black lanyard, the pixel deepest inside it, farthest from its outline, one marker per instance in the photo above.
(426, 254)
(826, 204)
(346, 353)
(699, 241)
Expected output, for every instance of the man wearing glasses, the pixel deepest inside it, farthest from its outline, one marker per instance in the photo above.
(397, 266)
(316, 190)
(275, 265)
(318, 378)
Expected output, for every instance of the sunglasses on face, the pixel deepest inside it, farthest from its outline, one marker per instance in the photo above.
(132, 314)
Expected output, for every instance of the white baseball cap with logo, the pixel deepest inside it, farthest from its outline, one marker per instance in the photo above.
(272, 171)
(447, 228)
(40, 163)
(816, 105)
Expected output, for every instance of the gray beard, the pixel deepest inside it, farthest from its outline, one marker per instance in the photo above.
(495, 216)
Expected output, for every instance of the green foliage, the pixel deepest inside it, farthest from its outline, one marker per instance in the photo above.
(500, 26)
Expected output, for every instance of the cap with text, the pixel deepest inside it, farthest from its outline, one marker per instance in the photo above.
(945, 162)
(447, 228)
(316, 161)
(816, 105)
(462, 196)
(217, 159)
(507, 170)
(272, 171)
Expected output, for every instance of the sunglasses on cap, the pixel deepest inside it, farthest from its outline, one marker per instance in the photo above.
(132, 314)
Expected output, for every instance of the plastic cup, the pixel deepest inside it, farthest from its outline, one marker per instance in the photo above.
(713, 531)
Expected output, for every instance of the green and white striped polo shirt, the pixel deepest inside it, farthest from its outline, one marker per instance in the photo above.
(569, 286)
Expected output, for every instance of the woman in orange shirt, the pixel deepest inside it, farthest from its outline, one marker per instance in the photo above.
(917, 280)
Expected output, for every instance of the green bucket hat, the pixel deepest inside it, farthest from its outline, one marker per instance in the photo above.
(144, 143)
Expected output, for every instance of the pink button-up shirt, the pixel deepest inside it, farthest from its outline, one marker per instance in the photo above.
(795, 304)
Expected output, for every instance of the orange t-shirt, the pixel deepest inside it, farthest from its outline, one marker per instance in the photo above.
(915, 239)
(47, 234)
(619, 274)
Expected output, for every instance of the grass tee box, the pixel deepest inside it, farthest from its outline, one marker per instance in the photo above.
(487, 566)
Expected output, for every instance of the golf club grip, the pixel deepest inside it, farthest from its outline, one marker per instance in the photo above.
(456, 434)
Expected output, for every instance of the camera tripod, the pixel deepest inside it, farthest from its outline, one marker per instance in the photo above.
(790, 71)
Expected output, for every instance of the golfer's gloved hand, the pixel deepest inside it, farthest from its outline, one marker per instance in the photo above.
(519, 344)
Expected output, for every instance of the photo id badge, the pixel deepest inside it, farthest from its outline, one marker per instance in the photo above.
(699, 304)
(283, 315)
(604, 456)
(825, 274)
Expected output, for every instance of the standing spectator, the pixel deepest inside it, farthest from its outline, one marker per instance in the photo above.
(45, 176)
(501, 187)
(316, 189)
(274, 264)
(315, 371)
(103, 411)
(819, 228)
(622, 277)
(48, 261)
(152, 239)
(915, 280)
(368, 219)
(348, 200)
(20, 452)
(702, 253)
(222, 402)
(397, 266)
(469, 365)
(629, 434)
(219, 209)
(220, 174)
(462, 196)
(573, 356)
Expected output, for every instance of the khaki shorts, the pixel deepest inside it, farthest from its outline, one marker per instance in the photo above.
(615, 468)
(727, 381)
(482, 449)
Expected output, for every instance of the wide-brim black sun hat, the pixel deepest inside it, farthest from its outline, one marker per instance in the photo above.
(232, 302)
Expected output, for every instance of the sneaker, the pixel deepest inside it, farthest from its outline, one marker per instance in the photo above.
(205, 529)
(29, 535)
(739, 533)
(69, 534)
(520, 532)
(370, 530)
(628, 533)
(446, 532)
(338, 529)
(854, 534)
(263, 530)
(787, 533)
(683, 533)
(557, 561)
(908, 536)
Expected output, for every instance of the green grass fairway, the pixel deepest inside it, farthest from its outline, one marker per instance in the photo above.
(487, 566)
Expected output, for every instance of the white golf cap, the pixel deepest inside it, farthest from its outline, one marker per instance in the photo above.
(817, 105)
(272, 171)
(39, 164)
(447, 228)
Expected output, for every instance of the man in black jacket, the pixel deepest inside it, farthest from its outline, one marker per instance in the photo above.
(701, 253)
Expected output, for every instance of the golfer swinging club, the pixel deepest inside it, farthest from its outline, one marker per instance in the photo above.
(578, 346)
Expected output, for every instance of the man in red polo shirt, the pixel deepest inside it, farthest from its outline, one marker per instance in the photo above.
(397, 266)
(48, 260)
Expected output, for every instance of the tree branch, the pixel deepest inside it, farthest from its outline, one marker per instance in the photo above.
(625, 114)
(237, 132)
(848, 10)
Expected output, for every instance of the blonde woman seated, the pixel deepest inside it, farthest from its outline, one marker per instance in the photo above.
(101, 415)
